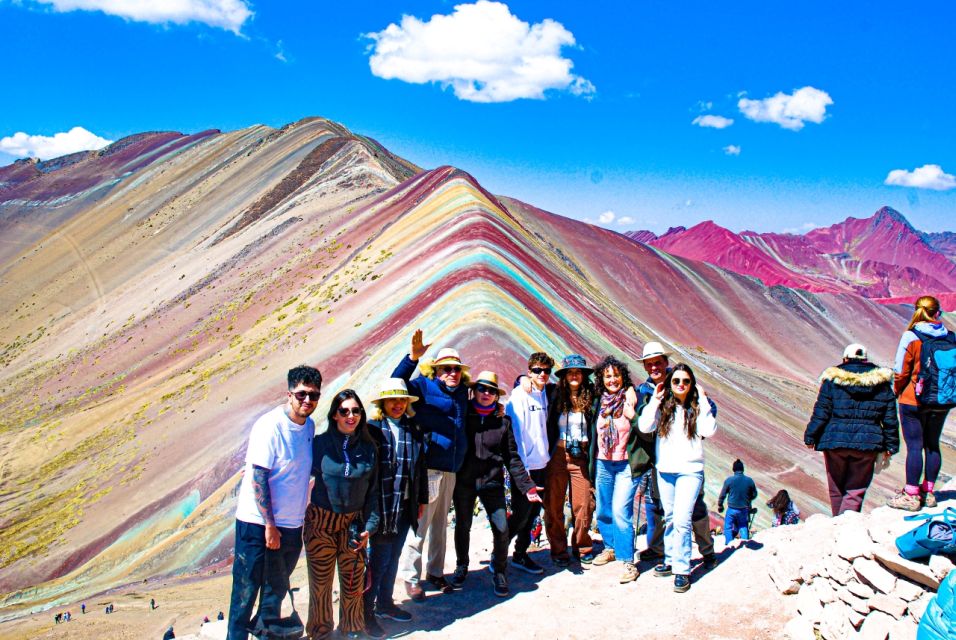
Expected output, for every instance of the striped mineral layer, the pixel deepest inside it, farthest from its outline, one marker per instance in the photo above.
(154, 294)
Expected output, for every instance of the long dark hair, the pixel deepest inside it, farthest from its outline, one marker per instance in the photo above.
(585, 393)
(780, 502)
(611, 362)
(670, 402)
(342, 396)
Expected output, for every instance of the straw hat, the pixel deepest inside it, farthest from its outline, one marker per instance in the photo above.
(393, 388)
(489, 379)
(448, 357)
(654, 350)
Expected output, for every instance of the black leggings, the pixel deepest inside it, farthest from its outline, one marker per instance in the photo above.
(921, 430)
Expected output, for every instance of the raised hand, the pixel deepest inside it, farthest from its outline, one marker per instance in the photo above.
(659, 391)
(418, 346)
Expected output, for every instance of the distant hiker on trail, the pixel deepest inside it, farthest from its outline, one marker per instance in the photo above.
(152, 604)
(491, 446)
(784, 510)
(854, 421)
(83, 608)
(220, 616)
(567, 472)
(440, 410)
(271, 504)
(170, 634)
(343, 513)
(403, 495)
(619, 454)
(680, 413)
(534, 436)
(925, 385)
(740, 492)
(57, 618)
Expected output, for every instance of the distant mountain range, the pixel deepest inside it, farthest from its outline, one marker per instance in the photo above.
(881, 257)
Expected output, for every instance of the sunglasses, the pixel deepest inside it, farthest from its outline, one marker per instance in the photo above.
(313, 396)
(538, 370)
(450, 369)
(344, 411)
(680, 382)
(483, 389)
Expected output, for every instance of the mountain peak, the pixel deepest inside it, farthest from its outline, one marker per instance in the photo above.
(892, 215)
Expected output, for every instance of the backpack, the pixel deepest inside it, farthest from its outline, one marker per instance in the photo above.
(936, 383)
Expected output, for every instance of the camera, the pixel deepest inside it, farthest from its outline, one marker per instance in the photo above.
(355, 534)
(574, 449)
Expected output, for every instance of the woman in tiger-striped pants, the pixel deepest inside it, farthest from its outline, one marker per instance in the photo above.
(342, 513)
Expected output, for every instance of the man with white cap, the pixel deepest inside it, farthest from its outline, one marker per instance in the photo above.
(440, 409)
(403, 495)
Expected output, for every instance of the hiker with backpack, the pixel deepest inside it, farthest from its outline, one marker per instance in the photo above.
(853, 422)
(925, 386)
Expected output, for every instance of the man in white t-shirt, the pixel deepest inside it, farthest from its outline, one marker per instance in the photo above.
(271, 504)
(528, 409)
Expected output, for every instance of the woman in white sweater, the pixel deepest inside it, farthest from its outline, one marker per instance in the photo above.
(680, 414)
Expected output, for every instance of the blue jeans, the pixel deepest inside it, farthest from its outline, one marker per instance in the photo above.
(615, 489)
(736, 520)
(250, 575)
(678, 495)
(384, 553)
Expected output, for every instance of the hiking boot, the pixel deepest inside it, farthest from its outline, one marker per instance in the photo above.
(458, 578)
(662, 570)
(394, 613)
(929, 499)
(905, 501)
(607, 555)
(440, 583)
(524, 562)
(710, 561)
(561, 561)
(373, 629)
(630, 573)
(415, 591)
(501, 585)
(587, 558)
(681, 583)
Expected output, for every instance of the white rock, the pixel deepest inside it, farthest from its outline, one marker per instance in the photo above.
(824, 590)
(915, 571)
(870, 572)
(811, 570)
(903, 629)
(857, 604)
(940, 566)
(799, 628)
(855, 618)
(888, 604)
(835, 624)
(839, 569)
(859, 589)
(853, 541)
(906, 590)
(876, 626)
(785, 573)
(808, 604)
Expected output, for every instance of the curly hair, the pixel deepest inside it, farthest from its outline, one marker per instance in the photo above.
(670, 402)
(613, 363)
(580, 403)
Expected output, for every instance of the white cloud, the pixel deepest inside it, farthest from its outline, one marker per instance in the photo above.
(607, 217)
(482, 51)
(803, 228)
(280, 52)
(625, 220)
(929, 176)
(790, 111)
(223, 14)
(22, 145)
(732, 150)
(712, 121)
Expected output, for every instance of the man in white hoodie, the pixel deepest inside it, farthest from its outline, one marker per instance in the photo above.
(528, 411)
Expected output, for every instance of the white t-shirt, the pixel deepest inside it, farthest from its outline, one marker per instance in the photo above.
(578, 430)
(284, 447)
(529, 421)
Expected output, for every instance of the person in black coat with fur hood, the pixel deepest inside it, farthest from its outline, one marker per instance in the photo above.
(854, 420)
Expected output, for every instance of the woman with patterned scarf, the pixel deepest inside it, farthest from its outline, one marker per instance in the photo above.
(612, 432)
(404, 492)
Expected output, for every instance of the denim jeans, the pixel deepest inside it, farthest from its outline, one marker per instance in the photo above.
(736, 520)
(250, 575)
(678, 495)
(384, 552)
(615, 489)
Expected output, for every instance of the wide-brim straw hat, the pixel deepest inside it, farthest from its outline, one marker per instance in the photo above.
(393, 388)
(447, 357)
(653, 350)
(574, 361)
(489, 379)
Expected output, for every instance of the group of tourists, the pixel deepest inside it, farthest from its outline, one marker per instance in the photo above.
(387, 473)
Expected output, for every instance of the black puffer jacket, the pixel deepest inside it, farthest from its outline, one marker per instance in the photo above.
(855, 409)
(491, 446)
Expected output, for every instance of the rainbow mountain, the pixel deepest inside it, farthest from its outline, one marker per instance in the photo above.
(154, 293)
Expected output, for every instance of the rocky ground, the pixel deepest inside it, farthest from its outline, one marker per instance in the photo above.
(833, 578)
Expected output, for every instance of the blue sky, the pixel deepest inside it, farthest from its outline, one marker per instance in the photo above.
(586, 111)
